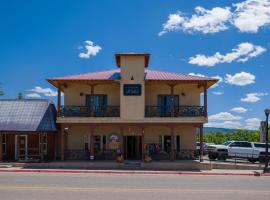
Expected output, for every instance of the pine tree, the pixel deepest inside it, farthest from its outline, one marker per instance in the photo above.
(20, 95)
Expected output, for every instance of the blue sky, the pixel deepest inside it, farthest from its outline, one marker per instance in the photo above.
(42, 39)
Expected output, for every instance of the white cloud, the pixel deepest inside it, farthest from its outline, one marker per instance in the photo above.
(224, 116)
(247, 16)
(196, 74)
(173, 23)
(241, 79)
(253, 97)
(225, 124)
(45, 91)
(239, 110)
(218, 93)
(252, 123)
(205, 21)
(224, 120)
(91, 50)
(220, 80)
(251, 15)
(242, 53)
(33, 95)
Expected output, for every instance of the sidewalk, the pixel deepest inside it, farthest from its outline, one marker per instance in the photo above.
(215, 172)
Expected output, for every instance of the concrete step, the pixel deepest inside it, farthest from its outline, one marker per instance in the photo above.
(130, 164)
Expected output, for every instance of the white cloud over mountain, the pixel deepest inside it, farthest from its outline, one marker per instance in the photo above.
(239, 110)
(241, 79)
(247, 16)
(242, 53)
(90, 50)
(252, 123)
(253, 97)
(48, 92)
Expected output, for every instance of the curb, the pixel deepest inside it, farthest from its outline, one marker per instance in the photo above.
(135, 172)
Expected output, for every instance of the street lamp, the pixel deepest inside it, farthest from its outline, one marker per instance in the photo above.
(267, 112)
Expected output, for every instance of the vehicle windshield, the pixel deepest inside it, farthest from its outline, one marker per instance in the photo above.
(227, 143)
(260, 145)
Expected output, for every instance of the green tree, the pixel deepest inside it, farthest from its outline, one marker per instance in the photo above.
(1, 90)
(20, 95)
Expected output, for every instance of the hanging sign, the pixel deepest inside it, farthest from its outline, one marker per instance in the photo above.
(114, 142)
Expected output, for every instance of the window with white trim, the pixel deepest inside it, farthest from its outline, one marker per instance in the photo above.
(43, 143)
(4, 143)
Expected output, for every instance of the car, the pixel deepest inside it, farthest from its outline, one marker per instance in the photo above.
(261, 146)
(198, 146)
(236, 149)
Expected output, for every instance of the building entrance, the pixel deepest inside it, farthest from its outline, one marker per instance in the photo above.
(132, 145)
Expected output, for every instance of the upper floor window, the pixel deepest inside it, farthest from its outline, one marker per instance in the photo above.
(164, 103)
(99, 101)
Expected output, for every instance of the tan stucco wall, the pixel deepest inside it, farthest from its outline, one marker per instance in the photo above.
(76, 135)
(132, 107)
(191, 91)
(72, 93)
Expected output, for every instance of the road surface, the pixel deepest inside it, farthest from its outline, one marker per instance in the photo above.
(66, 186)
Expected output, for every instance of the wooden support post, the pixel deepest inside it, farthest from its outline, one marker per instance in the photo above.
(142, 141)
(62, 143)
(41, 146)
(172, 144)
(59, 101)
(92, 109)
(205, 100)
(1, 147)
(122, 142)
(172, 100)
(92, 141)
(201, 143)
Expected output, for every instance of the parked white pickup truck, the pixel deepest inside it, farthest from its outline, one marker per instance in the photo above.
(236, 149)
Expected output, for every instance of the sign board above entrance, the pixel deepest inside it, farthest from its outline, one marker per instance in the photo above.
(132, 89)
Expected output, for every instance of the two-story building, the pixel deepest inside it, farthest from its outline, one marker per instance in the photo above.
(131, 112)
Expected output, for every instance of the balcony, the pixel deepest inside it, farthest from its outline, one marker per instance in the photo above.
(85, 111)
(179, 111)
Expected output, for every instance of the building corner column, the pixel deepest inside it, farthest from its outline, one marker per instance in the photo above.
(62, 143)
(92, 154)
(1, 147)
(59, 101)
(201, 143)
(122, 141)
(205, 100)
(172, 156)
(172, 106)
(142, 142)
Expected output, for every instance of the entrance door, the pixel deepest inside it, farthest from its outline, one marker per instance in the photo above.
(133, 147)
(21, 151)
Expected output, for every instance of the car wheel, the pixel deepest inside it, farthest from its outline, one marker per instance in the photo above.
(252, 160)
(222, 157)
(212, 157)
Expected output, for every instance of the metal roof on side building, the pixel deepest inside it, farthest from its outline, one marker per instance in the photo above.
(27, 115)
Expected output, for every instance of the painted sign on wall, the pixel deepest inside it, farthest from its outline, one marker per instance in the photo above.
(132, 89)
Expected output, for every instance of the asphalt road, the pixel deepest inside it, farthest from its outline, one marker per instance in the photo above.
(132, 187)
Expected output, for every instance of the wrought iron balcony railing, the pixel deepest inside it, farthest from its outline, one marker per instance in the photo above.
(178, 111)
(86, 111)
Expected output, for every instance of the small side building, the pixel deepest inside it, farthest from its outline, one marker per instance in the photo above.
(28, 130)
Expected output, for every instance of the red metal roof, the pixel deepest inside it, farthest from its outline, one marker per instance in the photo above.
(149, 75)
